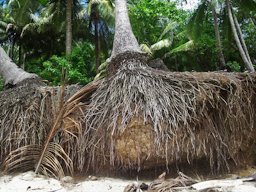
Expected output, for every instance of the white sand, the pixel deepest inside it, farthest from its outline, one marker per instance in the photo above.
(30, 182)
(37, 183)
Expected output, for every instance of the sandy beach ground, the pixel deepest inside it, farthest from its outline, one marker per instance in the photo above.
(29, 181)
(37, 183)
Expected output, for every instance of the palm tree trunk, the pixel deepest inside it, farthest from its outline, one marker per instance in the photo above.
(218, 40)
(11, 73)
(12, 50)
(124, 39)
(248, 65)
(240, 34)
(69, 4)
(9, 49)
(97, 45)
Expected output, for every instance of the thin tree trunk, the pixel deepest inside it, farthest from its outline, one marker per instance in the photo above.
(97, 44)
(124, 39)
(11, 73)
(20, 56)
(240, 34)
(69, 5)
(217, 35)
(23, 65)
(12, 51)
(249, 66)
(9, 49)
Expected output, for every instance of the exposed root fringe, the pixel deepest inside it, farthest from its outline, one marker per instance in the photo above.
(136, 119)
(21, 146)
(140, 118)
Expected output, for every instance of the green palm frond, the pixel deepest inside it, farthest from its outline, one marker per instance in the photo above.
(245, 5)
(3, 24)
(21, 10)
(106, 8)
(188, 46)
(146, 49)
(195, 24)
(28, 28)
(103, 66)
(165, 43)
(168, 29)
(2, 32)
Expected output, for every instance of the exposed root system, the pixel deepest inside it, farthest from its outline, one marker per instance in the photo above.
(140, 118)
(137, 118)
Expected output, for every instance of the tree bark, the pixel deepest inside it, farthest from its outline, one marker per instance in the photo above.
(97, 44)
(240, 34)
(217, 35)
(11, 73)
(248, 65)
(124, 39)
(69, 4)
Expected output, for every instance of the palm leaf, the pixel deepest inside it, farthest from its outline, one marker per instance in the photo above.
(188, 46)
(146, 49)
(106, 9)
(169, 28)
(65, 110)
(3, 24)
(195, 24)
(245, 5)
(165, 43)
(25, 158)
(21, 10)
(2, 32)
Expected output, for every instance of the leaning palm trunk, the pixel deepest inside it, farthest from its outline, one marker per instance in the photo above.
(247, 63)
(240, 34)
(217, 35)
(11, 73)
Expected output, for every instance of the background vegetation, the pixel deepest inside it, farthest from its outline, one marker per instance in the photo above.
(184, 39)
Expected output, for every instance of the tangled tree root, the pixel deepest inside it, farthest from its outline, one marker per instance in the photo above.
(28, 113)
(141, 118)
(137, 118)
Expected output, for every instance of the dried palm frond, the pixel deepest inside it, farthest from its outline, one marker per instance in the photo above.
(55, 150)
(26, 157)
(182, 182)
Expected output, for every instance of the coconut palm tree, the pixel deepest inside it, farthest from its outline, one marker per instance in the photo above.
(238, 36)
(100, 18)
(124, 39)
(211, 5)
(10, 72)
(217, 35)
(196, 21)
(69, 4)
(18, 15)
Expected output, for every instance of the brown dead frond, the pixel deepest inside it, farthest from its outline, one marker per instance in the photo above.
(29, 143)
(182, 182)
(54, 163)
